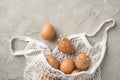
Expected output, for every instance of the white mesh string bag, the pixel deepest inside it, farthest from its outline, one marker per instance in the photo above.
(37, 67)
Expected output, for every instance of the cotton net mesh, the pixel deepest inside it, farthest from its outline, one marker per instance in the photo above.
(37, 66)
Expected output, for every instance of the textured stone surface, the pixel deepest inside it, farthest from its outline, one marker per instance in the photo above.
(24, 17)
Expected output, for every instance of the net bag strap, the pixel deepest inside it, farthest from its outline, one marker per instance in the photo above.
(25, 51)
(111, 23)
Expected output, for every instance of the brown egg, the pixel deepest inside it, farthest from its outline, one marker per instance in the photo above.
(74, 71)
(46, 77)
(65, 46)
(67, 66)
(52, 61)
(47, 32)
(82, 61)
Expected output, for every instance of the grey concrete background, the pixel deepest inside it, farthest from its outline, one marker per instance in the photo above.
(23, 17)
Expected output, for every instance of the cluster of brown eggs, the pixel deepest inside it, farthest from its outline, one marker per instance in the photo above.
(67, 65)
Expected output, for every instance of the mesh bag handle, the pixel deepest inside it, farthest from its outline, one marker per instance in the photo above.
(29, 41)
(112, 21)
